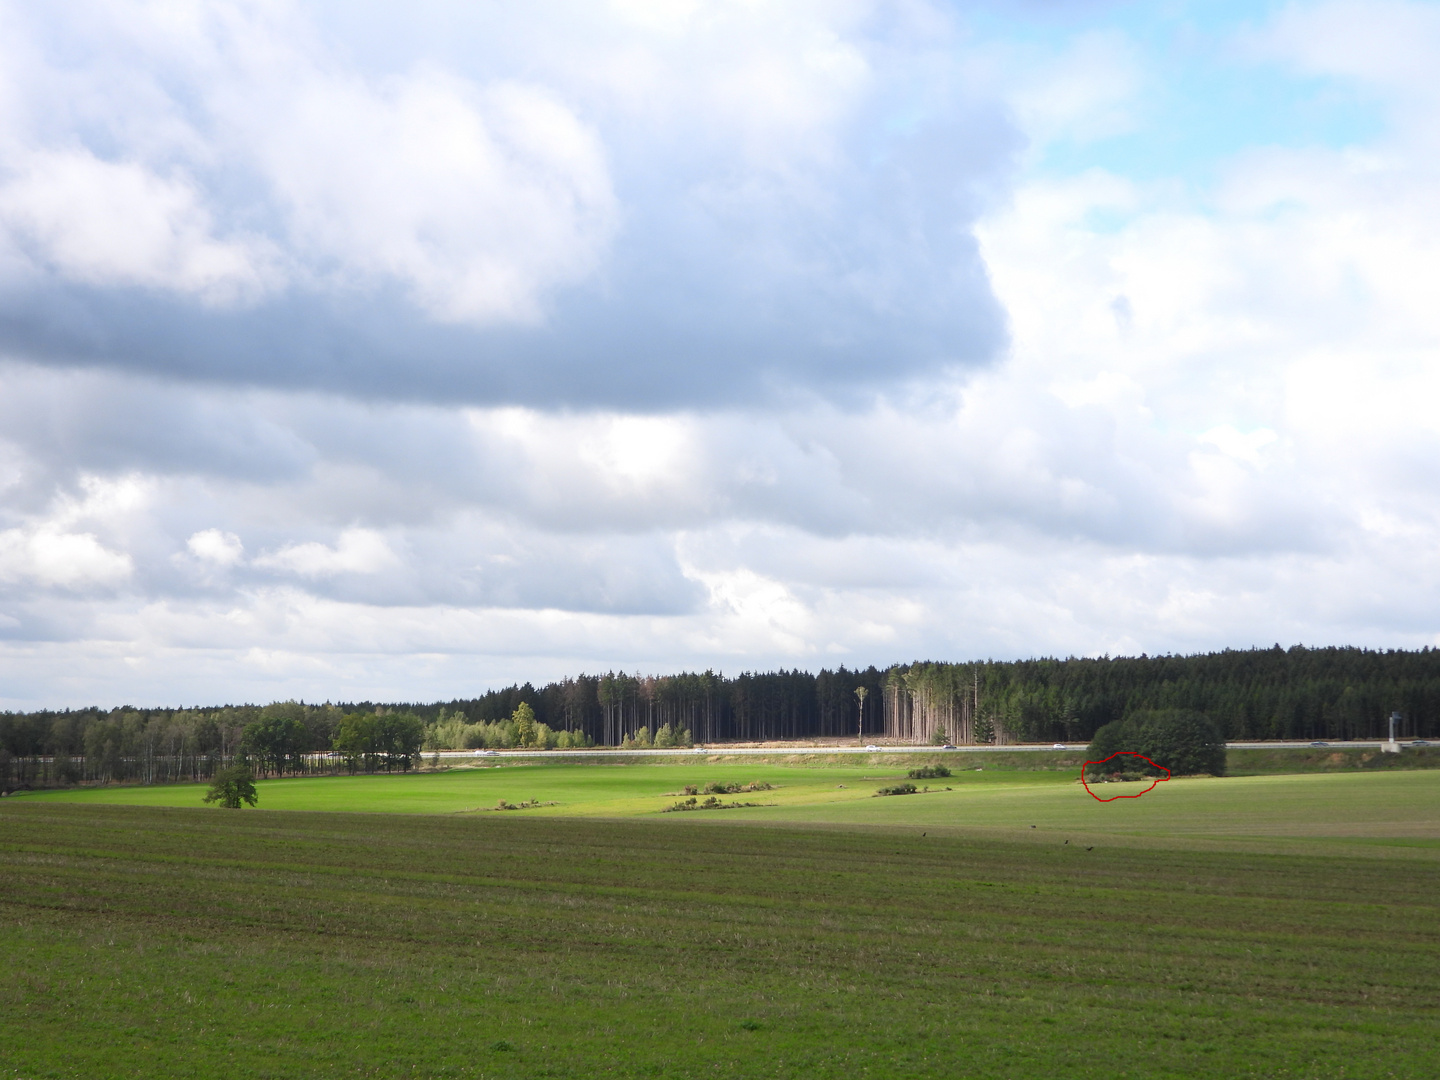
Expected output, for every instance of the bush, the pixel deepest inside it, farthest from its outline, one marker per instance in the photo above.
(717, 787)
(928, 772)
(640, 740)
(673, 736)
(1182, 740)
(898, 789)
(712, 803)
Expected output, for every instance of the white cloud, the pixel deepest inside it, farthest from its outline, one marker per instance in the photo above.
(1387, 43)
(359, 551)
(118, 223)
(60, 548)
(49, 557)
(1242, 445)
(214, 546)
(479, 200)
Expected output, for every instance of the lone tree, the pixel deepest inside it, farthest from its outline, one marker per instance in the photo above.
(1182, 740)
(526, 729)
(232, 786)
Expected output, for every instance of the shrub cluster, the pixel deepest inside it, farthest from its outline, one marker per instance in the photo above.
(711, 803)
(898, 789)
(928, 772)
(716, 787)
(664, 736)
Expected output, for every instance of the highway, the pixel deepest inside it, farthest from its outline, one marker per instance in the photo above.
(790, 751)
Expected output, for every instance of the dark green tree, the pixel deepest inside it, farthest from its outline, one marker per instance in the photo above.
(400, 736)
(278, 739)
(233, 786)
(357, 737)
(1184, 741)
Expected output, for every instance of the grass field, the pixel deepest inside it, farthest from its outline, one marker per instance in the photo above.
(1255, 926)
(575, 787)
(1349, 812)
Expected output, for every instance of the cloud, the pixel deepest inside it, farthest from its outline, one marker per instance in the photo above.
(1243, 446)
(694, 335)
(1388, 43)
(54, 549)
(478, 201)
(49, 557)
(106, 223)
(724, 204)
(214, 546)
(358, 551)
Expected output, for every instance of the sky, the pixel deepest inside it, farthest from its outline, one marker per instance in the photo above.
(355, 350)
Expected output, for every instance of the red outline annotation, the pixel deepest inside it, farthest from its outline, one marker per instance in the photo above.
(1131, 753)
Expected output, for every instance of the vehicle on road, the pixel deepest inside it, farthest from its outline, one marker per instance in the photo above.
(872, 747)
(1421, 742)
(484, 753)
(949, 746)
(1060, 746)
(1319, 744)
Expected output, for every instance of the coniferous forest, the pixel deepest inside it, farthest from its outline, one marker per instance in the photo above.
(1296, 693)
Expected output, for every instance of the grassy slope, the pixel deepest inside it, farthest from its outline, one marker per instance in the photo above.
(1334, 758)
(148, 942)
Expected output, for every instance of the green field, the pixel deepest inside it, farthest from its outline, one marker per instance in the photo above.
(1254, 926)
(1350, 812)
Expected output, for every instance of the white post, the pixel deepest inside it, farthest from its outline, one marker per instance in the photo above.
(1392, 747)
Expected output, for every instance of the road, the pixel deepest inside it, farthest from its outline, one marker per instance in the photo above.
(782, 751)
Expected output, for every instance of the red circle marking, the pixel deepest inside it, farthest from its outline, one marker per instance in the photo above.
(1118, 753)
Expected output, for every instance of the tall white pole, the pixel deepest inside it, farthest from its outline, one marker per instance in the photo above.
(1392, 747)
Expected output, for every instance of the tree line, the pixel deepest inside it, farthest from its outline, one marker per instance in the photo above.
(1295, 693)
(162, 745)
(1332, 693)
(610, 708)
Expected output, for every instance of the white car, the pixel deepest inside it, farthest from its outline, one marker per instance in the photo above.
(484, 753)
(1061, 746)
(872, 748)
(699, 750)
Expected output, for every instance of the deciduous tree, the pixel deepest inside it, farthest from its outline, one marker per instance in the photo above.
(233, 786)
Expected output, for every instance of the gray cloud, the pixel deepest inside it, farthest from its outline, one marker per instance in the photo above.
(422, 234)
